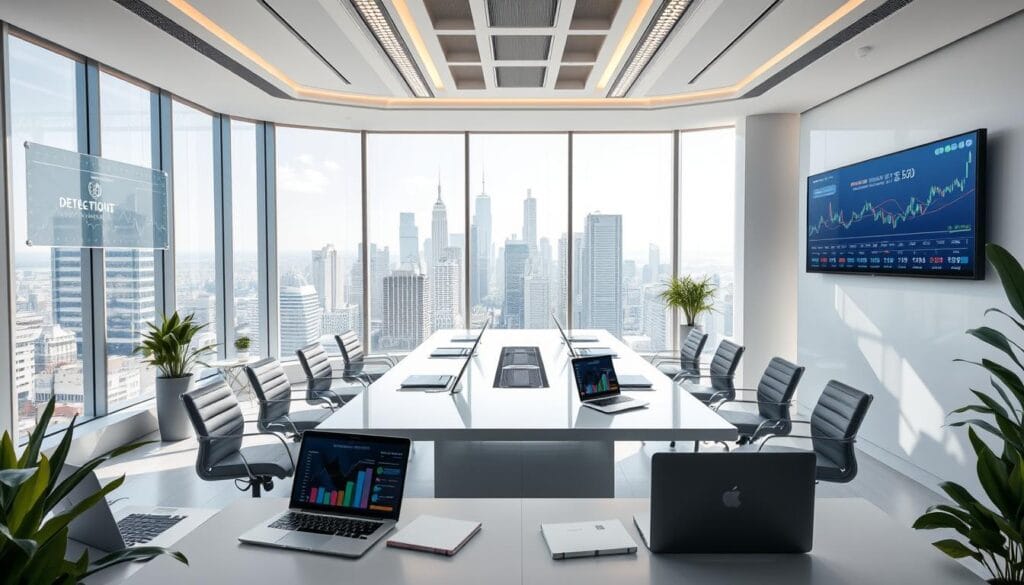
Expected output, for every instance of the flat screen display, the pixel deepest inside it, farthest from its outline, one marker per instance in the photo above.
(595, 376)
(351, 474)
(916, 212)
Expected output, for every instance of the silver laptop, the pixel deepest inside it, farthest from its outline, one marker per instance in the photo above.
(440, 382)
(346, 495)
(101, 528)
(569, 340)
(587, 539)
(454, 352)
(598, 385)
(730, 503)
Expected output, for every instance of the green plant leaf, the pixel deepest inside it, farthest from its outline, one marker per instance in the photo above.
(997, 340)
(35, 440)
(1010, 274)
(956, 549)
(138, 553)
(27, 545)
(936, 519)
(27, 495)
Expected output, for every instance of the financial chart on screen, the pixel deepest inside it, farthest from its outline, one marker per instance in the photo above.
(913, 212)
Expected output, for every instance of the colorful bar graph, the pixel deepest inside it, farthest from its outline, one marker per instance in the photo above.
(349, 488)
(312, 495)
(367, 480)
(358, 498)
(321, 497)
(334, 498)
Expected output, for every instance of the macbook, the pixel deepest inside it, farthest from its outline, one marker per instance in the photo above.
(730, 503)
(598, 385)
(346, 495)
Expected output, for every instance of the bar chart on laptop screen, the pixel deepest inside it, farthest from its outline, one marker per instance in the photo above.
(909, 212)
(361, 477)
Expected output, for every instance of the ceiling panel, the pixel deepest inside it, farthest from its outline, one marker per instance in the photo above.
(521, 14)
(520, 77)
(521, 47)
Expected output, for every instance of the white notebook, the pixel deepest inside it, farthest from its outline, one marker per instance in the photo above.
(442, 536)
(587, 539)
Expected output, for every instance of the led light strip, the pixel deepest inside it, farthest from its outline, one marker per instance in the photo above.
(379, 22)
(662, 24)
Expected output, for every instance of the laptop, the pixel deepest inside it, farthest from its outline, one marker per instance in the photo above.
(598, 385)
(453, 352)
(587, 539)
(568, 339)
(101, 528)
(468, 338)
(634, 382)
(730, 503)
(439, 382)
(346, 495)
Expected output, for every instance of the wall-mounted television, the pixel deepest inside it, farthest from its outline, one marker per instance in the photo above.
(916, 212)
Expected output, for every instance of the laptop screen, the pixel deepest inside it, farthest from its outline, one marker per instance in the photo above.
(350, 474)
(595, 377)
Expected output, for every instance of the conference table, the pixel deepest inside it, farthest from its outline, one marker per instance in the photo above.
(492, 441)
(855, 543)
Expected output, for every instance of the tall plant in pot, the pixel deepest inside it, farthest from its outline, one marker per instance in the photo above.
(168, 347)
(992, 534)
(693, 296)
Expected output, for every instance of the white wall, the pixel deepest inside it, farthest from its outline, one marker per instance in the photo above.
(896, 337)
(766, 163)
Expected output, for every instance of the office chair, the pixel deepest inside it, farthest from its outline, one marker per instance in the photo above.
(689, 356)
(834, 424)
(719, 377)
(357, 363)
(775, 392)
(321, 382)
(274, 393)
(220, 429)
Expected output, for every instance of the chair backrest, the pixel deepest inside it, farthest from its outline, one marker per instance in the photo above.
(214, 412)
(317, 367)
(272, 389)
(839, 413)
(693, 346)
(351, 351)
(778, 384)
(726, 359)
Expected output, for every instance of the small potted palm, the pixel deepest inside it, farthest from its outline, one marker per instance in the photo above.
(693, 296)
(168, 347)
(242, 345)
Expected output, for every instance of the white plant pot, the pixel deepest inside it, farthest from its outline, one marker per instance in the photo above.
(170, 410)
(243, 356)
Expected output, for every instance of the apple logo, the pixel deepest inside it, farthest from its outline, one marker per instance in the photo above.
(731, 498)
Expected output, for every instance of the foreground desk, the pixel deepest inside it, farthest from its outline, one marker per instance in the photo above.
(854, 543)
(524, 442)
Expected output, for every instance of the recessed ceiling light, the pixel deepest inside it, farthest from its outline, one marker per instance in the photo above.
(377, 19)
(661, 25)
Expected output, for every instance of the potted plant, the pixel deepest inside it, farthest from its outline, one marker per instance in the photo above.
(34, 543)
(693, 296)
(242, 347)
(992, 535)
(168, 347)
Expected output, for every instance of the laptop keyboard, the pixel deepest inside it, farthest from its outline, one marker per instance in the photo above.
(142, 528)
(610, 400)
(317, 524)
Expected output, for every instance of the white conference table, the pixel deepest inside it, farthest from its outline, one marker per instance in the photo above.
(855, 543)
(524, 442)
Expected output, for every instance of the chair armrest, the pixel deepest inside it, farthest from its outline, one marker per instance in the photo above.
(257, 434)
(737, 400)
(844, 440)
(684, 374)
(381, 358)
(303, 399)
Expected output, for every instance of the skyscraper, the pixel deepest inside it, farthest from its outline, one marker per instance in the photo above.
(444, 289)
(66, 268)
(481, 247)
(656, 318)
(405, 315)
(300, 313)
(438, 230)
(563, 282)
(328, 278)
(536, 302)
(408, 239)
(27, 327)
(602, 283)
(517, 257)
(530, 221)
(652, 271)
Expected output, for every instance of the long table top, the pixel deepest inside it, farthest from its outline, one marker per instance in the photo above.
(483, 412)
(854, 543)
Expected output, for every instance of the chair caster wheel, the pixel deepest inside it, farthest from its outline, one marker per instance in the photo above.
(268, 485)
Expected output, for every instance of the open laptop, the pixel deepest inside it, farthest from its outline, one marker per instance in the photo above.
(101, 528)
(346, 495)
(581, 351)
(598, 385)
(439, 382)
(454, 352)
(730, 503)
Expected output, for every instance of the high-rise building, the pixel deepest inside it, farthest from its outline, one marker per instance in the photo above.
(27, 327)
(657, 321)
(579, 270)
(478, 277)
(54, 347)
(481, 247)
(563, 282)
(438, 231)
(602, 283)
(536, 302)
(204, 307)
(406, 317)
(340, 320)
(652, 271)
(457, 240)
(445, 292)
(530, 221)
(66, 271)
(328, 278)
(300, 314)
(408, 239)
(380, 265)
(516, 260)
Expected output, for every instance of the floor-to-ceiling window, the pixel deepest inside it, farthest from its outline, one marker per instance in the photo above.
(48, 334)
(319, 235)
(245, 272)
(416, 217)
(126, 135)
(622, 245)
(519, 229)
(195, 246)
(707, 220)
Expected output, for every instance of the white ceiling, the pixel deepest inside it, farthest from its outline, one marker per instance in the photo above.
(374, 96)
